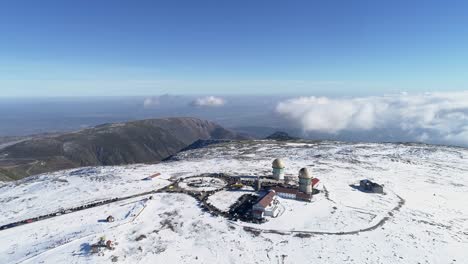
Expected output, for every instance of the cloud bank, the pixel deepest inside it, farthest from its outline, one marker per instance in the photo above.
(165, 99)
(209, 101)
(151, 102)
(429, 117)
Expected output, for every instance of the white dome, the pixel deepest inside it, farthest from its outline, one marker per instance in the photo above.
(278, 164)
(304, 173)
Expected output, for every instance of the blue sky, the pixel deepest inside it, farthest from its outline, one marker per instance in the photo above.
(91, 47)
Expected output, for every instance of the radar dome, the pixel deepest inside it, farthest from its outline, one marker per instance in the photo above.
(278, 164)
(304, 173)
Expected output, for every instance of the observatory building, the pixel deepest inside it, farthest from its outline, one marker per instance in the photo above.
(303, 192)
(305, 181)
(278, 169)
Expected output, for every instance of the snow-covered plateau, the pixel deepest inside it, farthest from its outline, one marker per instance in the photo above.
(421, 218)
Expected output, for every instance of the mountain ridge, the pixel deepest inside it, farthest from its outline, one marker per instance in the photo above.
(141, 141)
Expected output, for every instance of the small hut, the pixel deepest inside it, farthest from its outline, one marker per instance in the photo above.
(369, 186)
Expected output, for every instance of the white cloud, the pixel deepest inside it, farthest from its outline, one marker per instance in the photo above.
(150, 102)
(430, 117)
(208, 101)
(165, 99)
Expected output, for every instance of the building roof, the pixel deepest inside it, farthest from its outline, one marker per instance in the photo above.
(304, 173)
(369, 182)
(296, 192)
(284, 190)
(267, 199)
(278, 164)
(315, 181)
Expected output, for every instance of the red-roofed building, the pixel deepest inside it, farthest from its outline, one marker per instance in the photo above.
(291, 193)
(266, 206)
(314, 182)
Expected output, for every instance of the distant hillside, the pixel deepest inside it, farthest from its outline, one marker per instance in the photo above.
(110, 144)
(281, 136)
(263, 131)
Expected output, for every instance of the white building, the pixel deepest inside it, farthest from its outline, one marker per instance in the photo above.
(267, 206)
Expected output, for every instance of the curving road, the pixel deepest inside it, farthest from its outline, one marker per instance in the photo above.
(202, 198)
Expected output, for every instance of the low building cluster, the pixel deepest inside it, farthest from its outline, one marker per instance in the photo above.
(268, 205)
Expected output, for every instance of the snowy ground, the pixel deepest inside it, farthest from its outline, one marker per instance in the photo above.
(43, 194)
(325, 216)
(431, 226)
(202, 184)
(225, 198)
(33, 239)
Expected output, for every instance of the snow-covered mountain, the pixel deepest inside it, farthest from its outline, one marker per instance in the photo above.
(421, 218)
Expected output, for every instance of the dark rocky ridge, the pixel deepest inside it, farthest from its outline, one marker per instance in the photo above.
(281, 136)
(143, 141)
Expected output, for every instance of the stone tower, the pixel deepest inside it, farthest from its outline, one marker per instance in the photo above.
(278, 169)
(305, 181)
